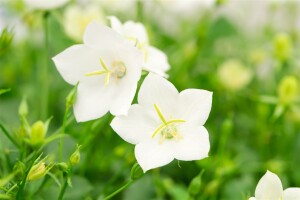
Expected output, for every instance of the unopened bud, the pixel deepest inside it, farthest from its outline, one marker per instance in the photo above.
(71, 98)
(136, 172)
(75, 157)
(38, 133)
(195, 185)
(37, 171)
(19, 170)
(63, 166)
(288, 90)
(23, 108)
(6, 38)
(282, 46)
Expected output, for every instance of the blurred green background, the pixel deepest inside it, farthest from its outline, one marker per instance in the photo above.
(246, 52)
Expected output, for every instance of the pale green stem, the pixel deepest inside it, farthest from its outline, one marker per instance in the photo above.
(119, 190)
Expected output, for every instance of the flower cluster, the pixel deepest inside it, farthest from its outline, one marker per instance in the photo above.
(165, 124)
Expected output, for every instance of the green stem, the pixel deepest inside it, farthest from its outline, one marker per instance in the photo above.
(22, 183)
(4, 130)
(44, 72)
(119, 190)
(63, 189)
(63, 128)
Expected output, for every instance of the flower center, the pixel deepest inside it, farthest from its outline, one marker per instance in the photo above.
(167, 129)
(117, 70)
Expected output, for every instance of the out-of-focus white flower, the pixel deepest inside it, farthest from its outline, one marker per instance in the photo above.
(269, 187)
(233, 75)
(107, 69)
(154, 59)
(166, 124)
(76, 18)
(45, 4)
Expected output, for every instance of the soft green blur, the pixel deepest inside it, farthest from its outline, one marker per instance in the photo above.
(254, 126)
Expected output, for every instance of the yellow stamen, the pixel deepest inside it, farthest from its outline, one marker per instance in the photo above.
(160, 114)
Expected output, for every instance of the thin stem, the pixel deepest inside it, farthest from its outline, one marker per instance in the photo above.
(4, 130)
(118, 190)
(63, 128)
(63, 189)
(44, 70)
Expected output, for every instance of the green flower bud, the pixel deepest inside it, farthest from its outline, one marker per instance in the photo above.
(288, 90)
(38, 133)
(19, 170)
(37, 171)
(71, 98)
(63, 166)
(6, 38)
(23, 108)
(136, 172)
(282, 47)
(75, 157)
(195, 185)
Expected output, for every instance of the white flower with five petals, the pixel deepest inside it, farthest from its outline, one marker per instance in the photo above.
(269, 187)
(107, 69)
(166, 124)
(45, 4)
(135, 33)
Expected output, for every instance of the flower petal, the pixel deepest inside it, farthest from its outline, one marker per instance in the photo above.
(135, 31)
(195, 105)
(137, 126)
(76, 61)
(156, 61)
(194, 145)
(152, 154)
(93, 99)
(252, 198)
(291, 194)
(116, 24)
(45, 4)
(157, 90)
(99, 36)
(269, 187)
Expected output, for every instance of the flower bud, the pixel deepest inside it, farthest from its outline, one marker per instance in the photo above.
(23, 108)
(282, 47)
(38, 133)
(195, 185)
(75, 157)
(136, 172)
(71, 98)
(37, 171)
(288, 90)
(63, 166)
(6, 38)
(234, 68)
(19, 170)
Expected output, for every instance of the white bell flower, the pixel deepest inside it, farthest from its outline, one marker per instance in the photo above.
(269, 187)
(166, 124)
(45, 4)
(107, 69)
(154, 59)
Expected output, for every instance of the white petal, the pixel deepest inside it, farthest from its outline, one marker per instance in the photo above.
(157, 90)
(93, 99)
(127, 85)
(76, 61)
(291, 194)
(135, 30)
(195, 105)
(252, 198)
(194, 144)
(116, 24)
(137, 126)
(269, 187)
(156, 61)
(152, 154)
(99, 36)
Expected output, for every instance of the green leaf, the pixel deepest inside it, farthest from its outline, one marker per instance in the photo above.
(2, 91)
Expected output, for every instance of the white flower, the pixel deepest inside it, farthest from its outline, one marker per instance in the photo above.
(166, 124)
(269, 187)
(154, 59)
(45, 4)
(107, 69)
(76, 18)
